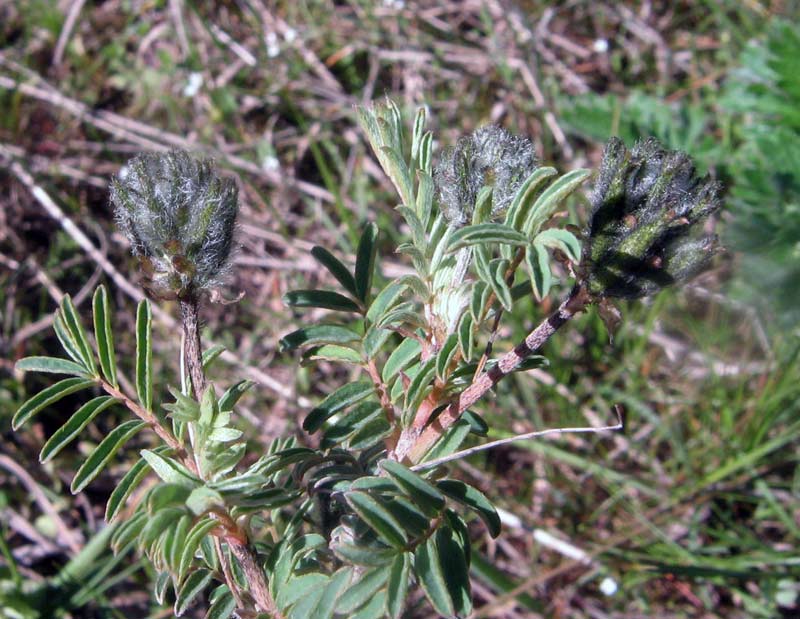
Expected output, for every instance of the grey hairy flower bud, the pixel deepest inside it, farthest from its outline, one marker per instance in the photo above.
(179, 216)
(646, 205)
(490, 156)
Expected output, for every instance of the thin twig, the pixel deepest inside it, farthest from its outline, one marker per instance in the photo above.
(520, 437)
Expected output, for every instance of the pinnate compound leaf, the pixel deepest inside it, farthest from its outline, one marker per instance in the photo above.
(104, 334)
(378, 518)
(431, 576)
(317, 335)
(325, 299)
(365, 262)
(335, 268)
(340, 399)
(48, 396)
(195, 584)
(109, 446)
(51, 365)
(144, 355)
(475, 500)
(79, 420)
(428, 498)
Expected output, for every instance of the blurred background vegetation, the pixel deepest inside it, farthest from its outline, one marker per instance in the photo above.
(693, 512)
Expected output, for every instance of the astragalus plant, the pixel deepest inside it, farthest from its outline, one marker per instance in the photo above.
(348, 528)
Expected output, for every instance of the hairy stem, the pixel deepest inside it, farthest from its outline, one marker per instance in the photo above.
(192, 349)
(415, 443)
(244, 553)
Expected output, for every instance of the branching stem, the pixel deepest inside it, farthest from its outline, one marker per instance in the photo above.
(415, 445)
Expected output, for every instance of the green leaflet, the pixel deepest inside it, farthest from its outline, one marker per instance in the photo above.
(104, 335)
(560, 239)
(361, 591)
(325, 299)
(475, 500)
(73, 323)
(169, 470)
(551, 198)
(343, 397)
(400, 358)
(195, 584)
(46, 397)
(144, 355)
(79, 420)
(201, 528)
(335, 586)
(335, 268)
(420, 491)
(378, 518)
(109, 446)
(431, 577)
(397, 585)
(51, 365)
(539, 269)
(317, 335)
(523, 200)
(365, 262)
(384, 301)
(129, 482)
(482, 234)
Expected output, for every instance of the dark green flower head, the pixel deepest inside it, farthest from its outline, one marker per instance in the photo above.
(179, 216)
(490, 156)
(646, 207)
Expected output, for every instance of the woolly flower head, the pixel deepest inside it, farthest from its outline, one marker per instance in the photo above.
(179, 216)
(490, 156)
(646, 208)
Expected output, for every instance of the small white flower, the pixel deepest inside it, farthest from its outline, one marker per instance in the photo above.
(608, 586)
(193, 84)
(600, 46)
